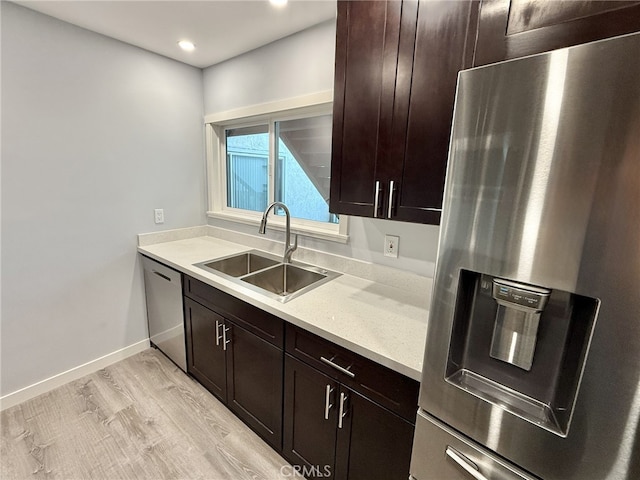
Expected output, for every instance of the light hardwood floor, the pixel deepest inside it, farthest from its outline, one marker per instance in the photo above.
(141, 418)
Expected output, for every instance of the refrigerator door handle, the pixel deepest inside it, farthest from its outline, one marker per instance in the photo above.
(470, 467)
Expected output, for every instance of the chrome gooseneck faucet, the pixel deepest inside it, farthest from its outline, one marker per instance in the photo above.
(288, 248)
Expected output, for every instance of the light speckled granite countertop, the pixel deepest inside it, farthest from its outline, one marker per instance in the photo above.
(384, 323)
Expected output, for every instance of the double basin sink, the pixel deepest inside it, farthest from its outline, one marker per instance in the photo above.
(268, 275)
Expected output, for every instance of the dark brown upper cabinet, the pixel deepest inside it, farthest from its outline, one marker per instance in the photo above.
(514, 28)
(395, 79)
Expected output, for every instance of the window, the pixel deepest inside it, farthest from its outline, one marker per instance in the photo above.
(247, 154)
(303, 166)
(283, 157)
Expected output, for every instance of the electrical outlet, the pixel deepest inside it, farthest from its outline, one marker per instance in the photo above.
(159, 215)
(391, 246)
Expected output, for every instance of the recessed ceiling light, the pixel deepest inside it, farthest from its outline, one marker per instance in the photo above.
(186, 45)
(278, 3)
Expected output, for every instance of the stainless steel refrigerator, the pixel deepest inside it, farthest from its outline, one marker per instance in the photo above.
(532, 360)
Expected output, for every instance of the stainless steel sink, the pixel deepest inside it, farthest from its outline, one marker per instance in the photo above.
(240, 264)
(284, 279)
(267, 275)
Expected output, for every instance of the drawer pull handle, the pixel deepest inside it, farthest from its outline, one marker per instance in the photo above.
(338, 367)
(327, 404)
(470, 467)
(343, 412)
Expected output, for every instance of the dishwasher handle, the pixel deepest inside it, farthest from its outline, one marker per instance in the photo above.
(162, 271)
(161, 275)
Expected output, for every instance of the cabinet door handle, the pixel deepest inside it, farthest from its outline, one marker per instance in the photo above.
(218, 335)
(225, 340)
(327, 405)
(376, 201)
(338, 367)
(342, 413)
(392, 190)
(469, 467)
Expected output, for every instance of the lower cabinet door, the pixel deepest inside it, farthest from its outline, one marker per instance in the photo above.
(254, 379)
(205, 353)
(310, 420)
(373, 443)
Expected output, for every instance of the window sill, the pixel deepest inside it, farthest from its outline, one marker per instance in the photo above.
(277, 222)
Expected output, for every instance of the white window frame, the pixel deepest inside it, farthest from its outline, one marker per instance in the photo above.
(290, 109)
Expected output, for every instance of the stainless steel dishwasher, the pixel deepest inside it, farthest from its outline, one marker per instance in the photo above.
(163, 287)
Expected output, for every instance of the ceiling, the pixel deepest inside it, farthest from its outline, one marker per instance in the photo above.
(220, 29)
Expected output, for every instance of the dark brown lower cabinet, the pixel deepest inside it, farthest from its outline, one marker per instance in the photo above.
(373, 442)
(243, 370)
(310, 418)
(254, 382)
(331, 412)
(206, 361)
(331, 431)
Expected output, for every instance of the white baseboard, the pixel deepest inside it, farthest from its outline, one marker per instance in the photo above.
(75, 373)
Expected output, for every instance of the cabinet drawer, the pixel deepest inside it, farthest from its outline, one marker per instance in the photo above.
(259, 322)
(388, 388)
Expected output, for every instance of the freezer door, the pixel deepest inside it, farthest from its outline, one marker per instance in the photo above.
(439, 453)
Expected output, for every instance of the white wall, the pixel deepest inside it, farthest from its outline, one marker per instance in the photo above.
(95, 135)
(297, 65)
(300, 65)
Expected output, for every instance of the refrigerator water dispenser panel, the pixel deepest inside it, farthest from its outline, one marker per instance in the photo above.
(516, 326)
(521, 347)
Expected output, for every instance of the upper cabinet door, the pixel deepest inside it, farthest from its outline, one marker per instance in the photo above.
(396, 70)
(514, 28)
(366, 58)
(431, 54)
